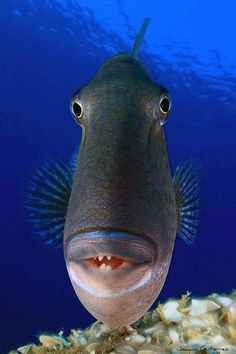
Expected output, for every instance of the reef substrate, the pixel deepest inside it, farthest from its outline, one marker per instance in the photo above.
(189, 325)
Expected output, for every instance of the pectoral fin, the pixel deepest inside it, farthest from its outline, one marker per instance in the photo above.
(47, 198)
(187, 189)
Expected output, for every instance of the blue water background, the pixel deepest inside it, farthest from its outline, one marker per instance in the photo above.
(50, 48)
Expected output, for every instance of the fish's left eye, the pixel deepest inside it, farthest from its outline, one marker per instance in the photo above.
(164, 107)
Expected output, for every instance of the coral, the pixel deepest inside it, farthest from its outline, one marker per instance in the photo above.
(191, 325)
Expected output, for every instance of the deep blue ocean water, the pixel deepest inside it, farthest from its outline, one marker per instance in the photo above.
(50, 48)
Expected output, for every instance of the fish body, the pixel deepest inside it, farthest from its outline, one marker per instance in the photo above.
(124, 207)
(122, 201)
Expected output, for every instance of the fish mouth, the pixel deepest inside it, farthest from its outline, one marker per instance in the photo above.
(109, 263)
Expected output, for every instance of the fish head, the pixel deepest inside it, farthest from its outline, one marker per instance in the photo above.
(121, 219)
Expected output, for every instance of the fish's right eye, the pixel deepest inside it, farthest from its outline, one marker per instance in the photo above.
(77, 110)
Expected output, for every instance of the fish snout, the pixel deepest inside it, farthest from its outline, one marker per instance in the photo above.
(110, 270)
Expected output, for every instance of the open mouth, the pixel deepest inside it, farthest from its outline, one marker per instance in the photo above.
(109, 260)
(106, 263)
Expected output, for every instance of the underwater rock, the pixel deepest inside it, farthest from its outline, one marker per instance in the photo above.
(199, 307)
(205, 325)
(27, 349)
(51, 342)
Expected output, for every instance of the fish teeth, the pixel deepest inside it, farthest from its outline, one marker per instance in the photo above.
(108, 268)
(101, 258)
(103, 266)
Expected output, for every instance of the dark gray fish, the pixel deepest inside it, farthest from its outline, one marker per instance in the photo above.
(123, 210)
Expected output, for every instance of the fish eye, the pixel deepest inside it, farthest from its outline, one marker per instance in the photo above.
(164, 105)
(164, 108)
(77, 110)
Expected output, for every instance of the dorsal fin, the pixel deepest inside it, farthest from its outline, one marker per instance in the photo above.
(187, 190)
(139, 38)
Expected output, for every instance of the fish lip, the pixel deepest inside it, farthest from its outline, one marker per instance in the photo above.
(92, 243)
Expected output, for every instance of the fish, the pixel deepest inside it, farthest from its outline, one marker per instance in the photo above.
(115, 206)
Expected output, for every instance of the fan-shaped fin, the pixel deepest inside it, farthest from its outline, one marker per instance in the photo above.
(46, 200)
(187, 189)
